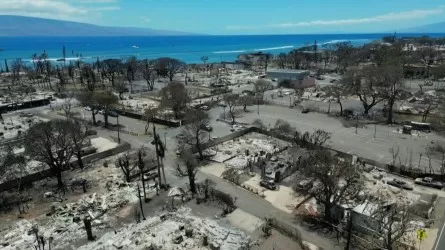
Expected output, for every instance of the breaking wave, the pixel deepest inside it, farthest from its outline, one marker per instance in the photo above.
(246, 50)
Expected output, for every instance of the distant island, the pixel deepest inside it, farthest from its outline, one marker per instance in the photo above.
(428, 28)
(32, 26)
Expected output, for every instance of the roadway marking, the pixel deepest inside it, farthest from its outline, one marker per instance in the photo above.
(438, 238)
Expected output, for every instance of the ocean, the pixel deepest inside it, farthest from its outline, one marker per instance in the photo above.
(186, 48)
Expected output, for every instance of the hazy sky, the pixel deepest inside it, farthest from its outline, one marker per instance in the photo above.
(240, 16)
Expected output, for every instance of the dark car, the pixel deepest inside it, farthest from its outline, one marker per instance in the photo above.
(429, 182)
(150, 175)
(400, 184)
(207, 128)
(269, 185)
(305, 110)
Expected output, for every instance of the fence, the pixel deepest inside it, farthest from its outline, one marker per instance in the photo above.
(73, 163)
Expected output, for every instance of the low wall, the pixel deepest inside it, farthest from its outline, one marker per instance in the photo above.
(47, 172)
(156, 120)
(24, 105)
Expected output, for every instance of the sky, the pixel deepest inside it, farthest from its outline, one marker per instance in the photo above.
(239, 16)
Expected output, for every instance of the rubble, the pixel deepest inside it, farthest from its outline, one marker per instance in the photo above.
(236, 153)
(63, 222)
(155, 233)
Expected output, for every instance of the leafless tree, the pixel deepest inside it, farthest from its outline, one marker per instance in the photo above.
(149, 115)
(149, 73)
(174, 96)
(190, 169)
(334, 180)
(282, 60)
(17, 66)
(312, 141)
(246, 100)
(120, 86)
(88, 99)
(131, 69)
(105, 100)
(194, 132)
(78, 132)
(51, 142)
(368, 84)
(431, 103)
(261, 86)
(232, 102)
(168, 67)
(88, 77)
(68, 104)
(125, 164)
(337, 91)
(111, 69)
(395, 225)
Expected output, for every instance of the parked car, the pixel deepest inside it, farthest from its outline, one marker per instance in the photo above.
(429, 182)
(206, 127)
(205, 107)
(180, 136)
(112, 114)
(102, 112)
(237, 127)
(87, 108)
(305, 110)
(400, 184)
(269, 185)
(150, 175)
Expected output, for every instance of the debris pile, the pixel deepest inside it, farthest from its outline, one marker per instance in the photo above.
(173, 230)
(236, 153)
(64, 222)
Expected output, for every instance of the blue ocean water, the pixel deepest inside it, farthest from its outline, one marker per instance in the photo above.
(186, 48)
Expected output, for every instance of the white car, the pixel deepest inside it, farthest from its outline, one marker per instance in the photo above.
(102, 112)
(87, 108)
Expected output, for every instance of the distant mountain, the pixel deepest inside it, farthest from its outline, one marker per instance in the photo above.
(32, 26)
(429, 28)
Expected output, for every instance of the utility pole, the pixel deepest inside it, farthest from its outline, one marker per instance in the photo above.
(348, 242)
(140, 202)
(375, 130)
(356, 125)
(157, 156)
(118, 131)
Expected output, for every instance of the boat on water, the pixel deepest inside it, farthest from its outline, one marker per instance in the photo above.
(135, 47)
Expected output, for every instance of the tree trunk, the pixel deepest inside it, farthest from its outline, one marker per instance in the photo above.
(94, 117)
(192, 183)
(79, 158)
(157, 157)
(390, 109)
(143, 185)
(327, 210)
(341, 108)
(60, 181)
(106, 119)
